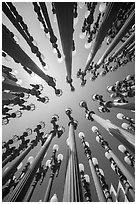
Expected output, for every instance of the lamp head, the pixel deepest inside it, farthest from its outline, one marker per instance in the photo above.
(81, 167)
(120, 116)
(107, 155)
(83, 104)
(60, 157)
(95, 161)
(55, 147)
(30, 159)
(55, 117)
(48, 163)
(81, 135)
(94, 129)
(125, 126)
(122, 148)
(68, 111)
(87, 178)
(127, 160)
(58, 92)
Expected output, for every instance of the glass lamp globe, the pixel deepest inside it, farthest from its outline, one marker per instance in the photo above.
(87, 178)
(60, 157)
(127, 160)
(87, 144)
(107, 155)
(48, 163)
(81, 167)
(95, 161)
(81, 135)
(125, 126)
(87, 13)
(55, 147)
(88, 45)
(121, 148)
(97, 138)
(120, 116)
(30, 159)
(94, 129)
(102, 7)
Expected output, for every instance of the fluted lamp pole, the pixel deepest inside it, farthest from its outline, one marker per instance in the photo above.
(37, 177)
(129, 190)
(23, 187)
(105, 145)
(126, 106)
(72, 186)
(64, 14)
(15, 51)
(123, 136)
(129, 159)
(55, 165)
(13, 167)
(125, 28)
(111, 11)
(97, 184)
(86, 183)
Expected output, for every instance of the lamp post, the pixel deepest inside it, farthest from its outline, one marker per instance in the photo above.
(86, 183)
(130, 127)
(105, 145)
(22, 188)
(123, 136)
(109, 16)
(129, 159)
(72, 186)
(97, 184)
(129, 190)
(101, 177)
(55, 166)
(13, 167)
(41, 170)
(125, 28)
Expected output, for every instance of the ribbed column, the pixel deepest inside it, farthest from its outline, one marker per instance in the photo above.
(13, 167)
(15, 51)
(72, 187)
(22, 188)
(64, 13)
(110, 14)
(125, 28)
(123, 136)
(129, 40)
(127, 106)
(14, 88)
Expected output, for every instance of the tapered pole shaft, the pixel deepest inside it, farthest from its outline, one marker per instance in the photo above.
(126, 106)
(14, 88)
(97, 184)
(125, 28)
(72, 188)
(48, 190)
(13, 167)
(110, 14)
(123, 169)
(21, 189)
(123, 136)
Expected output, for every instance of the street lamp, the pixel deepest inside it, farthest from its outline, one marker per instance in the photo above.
(86, 183)
(22, 188)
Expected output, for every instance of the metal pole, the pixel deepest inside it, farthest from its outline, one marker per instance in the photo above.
(22, 188)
